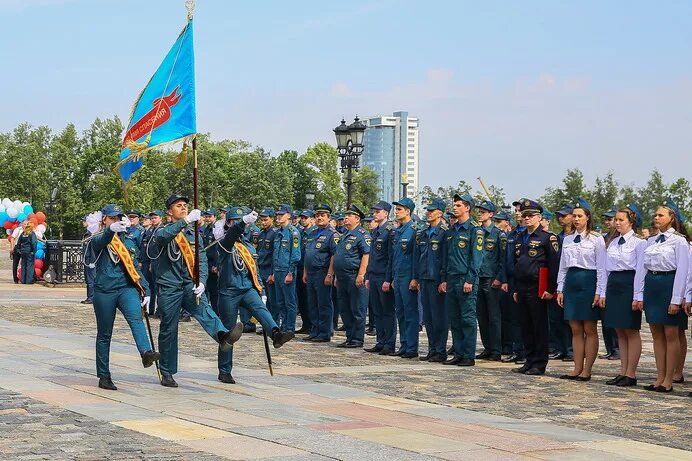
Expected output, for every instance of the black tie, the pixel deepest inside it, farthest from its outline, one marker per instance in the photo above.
(577, 239)
(621, 241)
(661, 238)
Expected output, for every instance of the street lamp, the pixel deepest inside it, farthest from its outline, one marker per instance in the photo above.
(349, 141)
(404, 183)
(309, 200)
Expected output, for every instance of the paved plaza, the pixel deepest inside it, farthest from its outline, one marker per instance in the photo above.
(322, 403)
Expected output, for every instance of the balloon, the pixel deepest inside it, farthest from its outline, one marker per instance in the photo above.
(28, 209)
(38, 272)
(21, 217)
(40, 254)
(30, 215)
(41, 217)
(3, 217)
(38, 263)
(12, 212)
(7, 225)
(2, 208)
(34, 222)
(40, 245)
(6, 202)
(41, 228)
(18, 205)
(8, 232)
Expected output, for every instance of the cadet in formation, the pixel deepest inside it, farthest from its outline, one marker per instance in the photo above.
(119, 284)
(239, 285)
(150, 252)
(178, 291)
(212, 285)
(307, 227)
(285, 258)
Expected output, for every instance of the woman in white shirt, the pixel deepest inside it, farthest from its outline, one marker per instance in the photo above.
(622, 258)
(660, 292)
(580, 281)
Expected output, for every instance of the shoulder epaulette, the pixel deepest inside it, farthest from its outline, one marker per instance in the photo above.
(362, 230)
(444, 227)
(475, 223)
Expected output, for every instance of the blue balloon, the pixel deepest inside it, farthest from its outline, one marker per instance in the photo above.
(21, 217)
(3, 217)
(40, 245)
(40, 254)
(28, 210)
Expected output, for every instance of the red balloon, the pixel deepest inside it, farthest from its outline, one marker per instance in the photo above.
(38, 263)
(30, 215)
(7, 225)
(14, 225)
(34, 221)
(37, 272)
(41, 217)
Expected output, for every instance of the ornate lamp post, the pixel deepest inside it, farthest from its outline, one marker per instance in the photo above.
(349, 141)
(404, 183)
(309, 200)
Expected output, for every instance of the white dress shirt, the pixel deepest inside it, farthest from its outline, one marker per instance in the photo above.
(670, 255)
(589, 253)
(688, 291)
(624, 257)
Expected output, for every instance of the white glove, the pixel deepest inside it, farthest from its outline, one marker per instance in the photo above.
(198, 290)
(120, 226)
(218, 230)
(250, 217)
(193, 216)
(145, 301)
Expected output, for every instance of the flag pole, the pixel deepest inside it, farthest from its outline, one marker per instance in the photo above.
(195, 200)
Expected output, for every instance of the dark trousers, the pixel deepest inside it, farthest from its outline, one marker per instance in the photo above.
(489, 315)
(435, 316)
(560, 332)
(270, 291)
(320, 304)
(335, 313)
(302, 300)
(153, 288)
(16, 258)
(352, 304)
(610, 339)
(27, 268)
(533, 315)
(407, 316)
(212, 290)
(382, 308)
(90, 277)
(512, 342)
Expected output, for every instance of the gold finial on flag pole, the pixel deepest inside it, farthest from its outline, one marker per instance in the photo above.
(190, 5)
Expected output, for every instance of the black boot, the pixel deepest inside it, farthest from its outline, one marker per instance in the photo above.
(281, 337)
(107, 383)
(227, 339)
(168, 381)
(226, 378)
(149, 357)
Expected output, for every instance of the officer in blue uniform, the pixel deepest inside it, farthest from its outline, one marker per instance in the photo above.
(318, 276)
(511, 327)
(465, 242)
(265, 251)
(405, 297)
(239, 284)
(284, 261)
(151, 251)
(339, 216)
(534, 249)
(431, 245)
(491, 276)
(207, 230)
(136, 229)
(119, 284)
(379, 280)
(177, 289)
(350, 264)
(307, 226)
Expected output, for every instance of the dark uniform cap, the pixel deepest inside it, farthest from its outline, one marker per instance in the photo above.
(339, 215)
(283, 209)
(369, 217)
(323, 208)
(267, 212)
(465, 198)
(487, 205)
(610, 213)
(157, 213)
(637, 214)
(382, 205)
(436, 204)
(583, 204)
(547, 215)
(670, 204)
(530, 205)
(355, 210)
(307, 214)
(518, 202)
(234, 212)
(112, 210)
(406, 203)
(565, 210)
(133, 212)
(501, 216)
(295, 214)
(174, 198)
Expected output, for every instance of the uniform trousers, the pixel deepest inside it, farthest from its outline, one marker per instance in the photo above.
(352, 304)
(105, 304)
(286, 300)
(533, 315)
(382, 307)
(407, 316)
(269, 291)
(435, 316)
(319, 301)
(171, 301)
(90, 278)
(489, 315)
(461, 308)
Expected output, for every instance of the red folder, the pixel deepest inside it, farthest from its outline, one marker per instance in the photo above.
(542, 281)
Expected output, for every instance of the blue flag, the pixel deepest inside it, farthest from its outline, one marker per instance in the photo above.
(165, 110)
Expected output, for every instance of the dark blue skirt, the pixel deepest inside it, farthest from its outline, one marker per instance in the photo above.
(579, 291)
(618, 312)
(658, 289)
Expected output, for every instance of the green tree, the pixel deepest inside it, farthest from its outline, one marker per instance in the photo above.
(321, 160)
(63, 185)
(603, 195)
(651, 196)
(366, 189)
(572, 187)
(679, 191)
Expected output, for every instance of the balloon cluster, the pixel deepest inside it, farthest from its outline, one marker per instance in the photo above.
(14, 214)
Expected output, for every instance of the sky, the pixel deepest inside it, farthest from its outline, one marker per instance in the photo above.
(514, 92)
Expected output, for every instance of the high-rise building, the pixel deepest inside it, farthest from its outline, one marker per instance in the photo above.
(391, 150)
